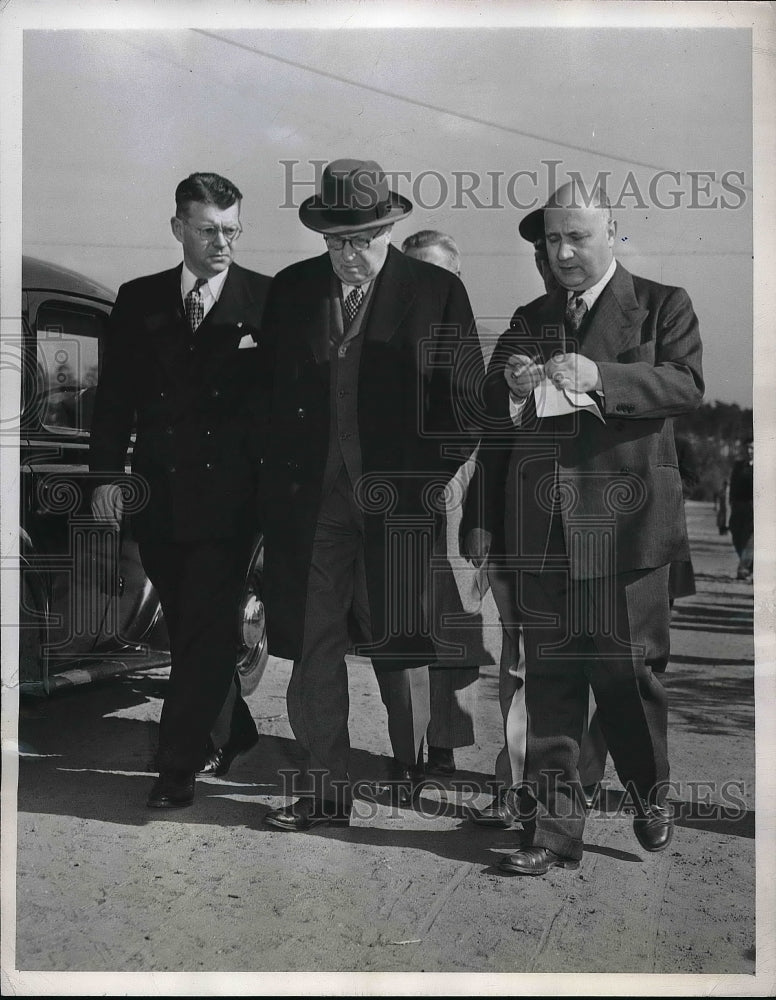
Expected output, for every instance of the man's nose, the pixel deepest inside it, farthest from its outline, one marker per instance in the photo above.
(565, 250)
(220, 240)
(348, 251)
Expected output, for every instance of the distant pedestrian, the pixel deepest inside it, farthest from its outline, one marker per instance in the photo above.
(741, 505)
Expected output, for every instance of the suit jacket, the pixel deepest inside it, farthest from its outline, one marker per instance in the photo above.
(618, 482)
(198, 403)
(420, 370)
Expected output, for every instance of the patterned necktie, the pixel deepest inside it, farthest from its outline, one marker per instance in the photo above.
(352, 303)
(576, 309)
(195, 307)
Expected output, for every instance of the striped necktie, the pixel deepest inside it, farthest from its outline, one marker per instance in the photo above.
(195, 307)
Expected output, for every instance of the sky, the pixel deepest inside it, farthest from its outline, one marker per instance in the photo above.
(113, 119)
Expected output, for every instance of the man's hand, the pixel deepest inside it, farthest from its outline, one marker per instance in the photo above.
(523, 374)
(108, 503)
(476, 545)
(574, 372)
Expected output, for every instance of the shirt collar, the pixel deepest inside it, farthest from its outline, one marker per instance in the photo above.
(590, 295)
(212, 286)
(347, 289)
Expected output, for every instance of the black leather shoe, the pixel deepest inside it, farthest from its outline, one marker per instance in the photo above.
(441, 760)
(304, 814)
(222, 758)
(536, 861)
(654, 826)
(496, 813)
(172, 790)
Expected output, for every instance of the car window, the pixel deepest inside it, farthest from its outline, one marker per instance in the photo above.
(68, 337)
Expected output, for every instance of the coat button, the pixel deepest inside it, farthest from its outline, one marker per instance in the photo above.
(214, 393)
(208, 465)
(300, 413)
(342, 392)
(625, 468)
(161, 395)
(208, 433)
(168, 430)
(172, 468)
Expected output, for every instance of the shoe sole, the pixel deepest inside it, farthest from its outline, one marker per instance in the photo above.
(513, 869)
(290, 828)
(169, 804)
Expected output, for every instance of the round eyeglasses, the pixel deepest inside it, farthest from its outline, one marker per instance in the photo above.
(209, 234)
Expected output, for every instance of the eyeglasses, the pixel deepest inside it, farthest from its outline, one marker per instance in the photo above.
(210, 233)
(356, 242)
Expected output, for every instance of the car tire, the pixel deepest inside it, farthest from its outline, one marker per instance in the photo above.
(253, 652)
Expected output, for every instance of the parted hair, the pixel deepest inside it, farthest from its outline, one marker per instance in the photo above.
(212, 189)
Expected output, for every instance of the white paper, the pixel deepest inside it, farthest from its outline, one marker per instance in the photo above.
(554, 402)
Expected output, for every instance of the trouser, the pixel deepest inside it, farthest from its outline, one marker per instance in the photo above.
(603, 634)
(453, 705)
(510, 763)
(199, 586)
(317, 697)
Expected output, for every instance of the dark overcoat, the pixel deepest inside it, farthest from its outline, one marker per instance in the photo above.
(617, 479)
(419, 378)
(198, 402)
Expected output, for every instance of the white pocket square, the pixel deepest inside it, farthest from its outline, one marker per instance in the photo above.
(246, 341)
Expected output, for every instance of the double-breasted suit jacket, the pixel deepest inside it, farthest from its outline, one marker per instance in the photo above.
(616, 481)
(419, 375)
(199, 401)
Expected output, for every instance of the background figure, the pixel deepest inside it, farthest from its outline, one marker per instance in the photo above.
(741, 507)
(453, 690)
(363, 407)
(184, 364)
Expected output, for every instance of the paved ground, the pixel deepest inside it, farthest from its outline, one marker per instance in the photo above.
(105, 885)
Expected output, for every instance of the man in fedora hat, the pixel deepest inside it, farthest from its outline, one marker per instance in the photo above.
(584, 507)
(376, 370)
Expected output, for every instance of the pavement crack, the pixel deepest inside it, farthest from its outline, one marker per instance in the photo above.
(436, 909)
(562, 911)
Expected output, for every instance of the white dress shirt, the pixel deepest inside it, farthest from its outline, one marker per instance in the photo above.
(589, 297)
(210, 291)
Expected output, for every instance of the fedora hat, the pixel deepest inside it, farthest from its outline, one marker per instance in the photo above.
(531, 227)
(354, 195)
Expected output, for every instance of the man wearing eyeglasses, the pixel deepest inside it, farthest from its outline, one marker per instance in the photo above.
(184, 363)
(377, 365)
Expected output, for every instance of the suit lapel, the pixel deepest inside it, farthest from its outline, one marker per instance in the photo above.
(317, 301)
(166, 326)
(391, 299)
(615, 323)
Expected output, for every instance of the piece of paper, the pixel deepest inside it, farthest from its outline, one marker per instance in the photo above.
(554, 402)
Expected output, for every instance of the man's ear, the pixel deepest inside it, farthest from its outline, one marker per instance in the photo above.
(612, 224)
(176, 225)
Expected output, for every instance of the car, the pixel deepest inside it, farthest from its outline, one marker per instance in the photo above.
(87, 609)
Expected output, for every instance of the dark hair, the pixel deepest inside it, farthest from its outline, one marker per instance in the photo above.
(433, 238)
(212, 189)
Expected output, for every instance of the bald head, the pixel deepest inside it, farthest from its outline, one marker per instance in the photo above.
(579, 233)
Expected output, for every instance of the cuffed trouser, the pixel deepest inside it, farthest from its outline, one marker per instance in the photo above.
(605, 633)
(317, 697)
(199, 586)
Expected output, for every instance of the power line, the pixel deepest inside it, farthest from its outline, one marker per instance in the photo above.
(488, 123)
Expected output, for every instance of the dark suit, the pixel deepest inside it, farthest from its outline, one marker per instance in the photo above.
(587, 515)
(199, 403)
(357, 446)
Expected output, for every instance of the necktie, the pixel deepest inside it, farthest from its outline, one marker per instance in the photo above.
(576, 309)
(352, 302)
(195, 307)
